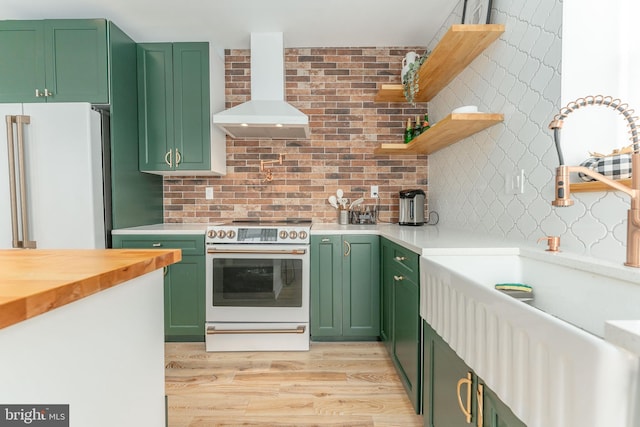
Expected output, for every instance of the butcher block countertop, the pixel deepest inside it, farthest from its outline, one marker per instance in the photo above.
(33, 282)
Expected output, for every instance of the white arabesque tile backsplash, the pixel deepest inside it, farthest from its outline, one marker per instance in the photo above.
(519, 76)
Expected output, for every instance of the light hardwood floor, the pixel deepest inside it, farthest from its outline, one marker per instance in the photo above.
(334, 384)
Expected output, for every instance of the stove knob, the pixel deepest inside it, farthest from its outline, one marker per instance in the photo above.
(222, 234)
(212, 234)
(231, 234)
(293, 234)
(302, 235)
(284, 234)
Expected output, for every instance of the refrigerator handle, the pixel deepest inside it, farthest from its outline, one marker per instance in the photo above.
(16, 243)
(20, 181)
(24, 205)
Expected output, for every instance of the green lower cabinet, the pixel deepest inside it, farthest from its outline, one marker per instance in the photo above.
(406, 335)
(184, 300)
(184, 283)
(400, 314)
(386, 295)
(452, 393)
(496, 413)
(345, 287)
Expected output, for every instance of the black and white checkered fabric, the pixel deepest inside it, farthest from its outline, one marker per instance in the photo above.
(614, 167)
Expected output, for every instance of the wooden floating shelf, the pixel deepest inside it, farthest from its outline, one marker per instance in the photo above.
(584, 187)
(457, 49)
(447, 131)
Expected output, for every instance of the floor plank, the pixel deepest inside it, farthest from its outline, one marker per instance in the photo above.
(333, 384)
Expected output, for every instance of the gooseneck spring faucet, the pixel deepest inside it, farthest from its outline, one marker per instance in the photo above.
(563, 189)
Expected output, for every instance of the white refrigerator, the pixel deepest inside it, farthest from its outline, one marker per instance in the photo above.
(58, 189)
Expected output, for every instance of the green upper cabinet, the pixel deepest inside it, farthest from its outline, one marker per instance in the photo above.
(56, 60)
(345, 287)
(174, 107)
(136, 197)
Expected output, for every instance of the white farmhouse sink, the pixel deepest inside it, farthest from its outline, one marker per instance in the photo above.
(547, 361)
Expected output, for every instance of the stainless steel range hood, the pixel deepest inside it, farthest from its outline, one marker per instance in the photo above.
(267, 115)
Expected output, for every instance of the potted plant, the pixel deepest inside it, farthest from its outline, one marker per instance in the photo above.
(410, 80)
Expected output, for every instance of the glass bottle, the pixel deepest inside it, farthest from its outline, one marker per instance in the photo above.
(425, 124)
(408, 132)
(417, 129)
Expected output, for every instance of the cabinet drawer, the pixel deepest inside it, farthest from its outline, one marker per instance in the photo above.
(190, 245)
(406, 260)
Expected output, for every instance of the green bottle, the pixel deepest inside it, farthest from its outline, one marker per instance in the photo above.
(408, 132)
(425, 124)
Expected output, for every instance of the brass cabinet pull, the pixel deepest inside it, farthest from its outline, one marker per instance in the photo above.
(347, 247)
(398, 278)
(167, 158)
(178, 158)
(466, 409)
(400, 258)
(480, 412)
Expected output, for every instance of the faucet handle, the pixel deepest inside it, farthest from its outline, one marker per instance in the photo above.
(554, 243)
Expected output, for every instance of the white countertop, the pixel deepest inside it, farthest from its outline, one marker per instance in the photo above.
(428, 239)
(624, 333)
(431, 240)
(164, 229)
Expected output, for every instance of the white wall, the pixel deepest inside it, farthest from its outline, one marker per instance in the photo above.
(600, 56)
(520, 76)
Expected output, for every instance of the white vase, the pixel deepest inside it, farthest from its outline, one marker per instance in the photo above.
(408, 59)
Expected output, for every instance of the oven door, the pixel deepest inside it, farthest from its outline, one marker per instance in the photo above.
(257, 283)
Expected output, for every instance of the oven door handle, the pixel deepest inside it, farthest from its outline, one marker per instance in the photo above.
(258, 251)
(211, 330)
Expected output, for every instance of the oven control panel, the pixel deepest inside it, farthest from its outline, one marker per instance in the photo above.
(261, 235)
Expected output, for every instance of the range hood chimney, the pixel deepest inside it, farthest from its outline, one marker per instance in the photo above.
(267, 115)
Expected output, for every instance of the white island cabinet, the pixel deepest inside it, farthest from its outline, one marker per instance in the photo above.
(84, 329)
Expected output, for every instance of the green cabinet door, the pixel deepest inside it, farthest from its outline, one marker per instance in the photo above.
(184, 300)
(361, 286)
(155, 106)
(406, 335)
(495, 412)
(58, 60)
(192, 118)
(448, 370)
(22, 69)
(173, 107)
(400, 294)
(136, 197)
(76, 60)
(184, 283)
(345, 287)
(326, 286)
(386, 295)
(445, 376)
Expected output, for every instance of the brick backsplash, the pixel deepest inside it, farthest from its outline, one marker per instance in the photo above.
(336, 88)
